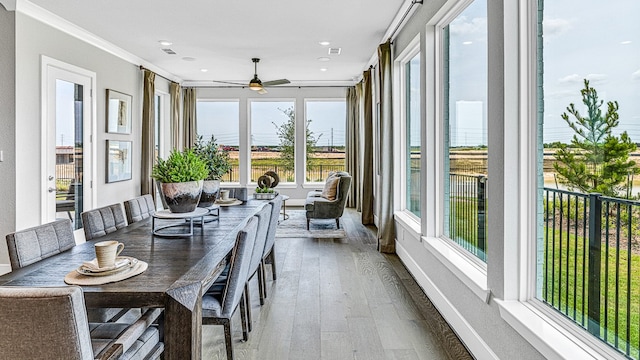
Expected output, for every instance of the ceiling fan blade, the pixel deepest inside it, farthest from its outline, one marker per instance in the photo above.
(228, 82)
(262, 91)
(276, 82)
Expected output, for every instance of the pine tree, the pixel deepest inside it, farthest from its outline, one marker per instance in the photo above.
(596, 160)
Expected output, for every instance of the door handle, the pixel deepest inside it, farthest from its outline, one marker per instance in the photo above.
(52, 189)
(50, 177)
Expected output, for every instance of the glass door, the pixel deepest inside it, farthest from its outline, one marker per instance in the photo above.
(66, 154)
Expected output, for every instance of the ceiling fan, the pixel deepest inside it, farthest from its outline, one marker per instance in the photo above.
(256, 84)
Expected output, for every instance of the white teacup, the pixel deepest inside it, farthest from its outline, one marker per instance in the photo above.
(224, 194)
(107, 251)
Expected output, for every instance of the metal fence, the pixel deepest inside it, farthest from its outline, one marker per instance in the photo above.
(591, 268)
(314, 173)
(467, 212)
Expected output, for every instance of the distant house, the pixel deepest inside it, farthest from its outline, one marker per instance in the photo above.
(64, 154)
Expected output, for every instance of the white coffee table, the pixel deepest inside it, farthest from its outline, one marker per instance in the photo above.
(198, 213)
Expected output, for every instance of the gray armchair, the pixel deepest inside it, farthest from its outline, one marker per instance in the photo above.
(319, 207)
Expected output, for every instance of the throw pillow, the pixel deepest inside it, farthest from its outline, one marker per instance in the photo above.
(331, 188)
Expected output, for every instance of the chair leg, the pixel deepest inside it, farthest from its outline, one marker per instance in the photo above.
(248, 301)
(228, 340)
(261, 283)
(337, 223)
(308, 223)
(264, 277)
(272, 255)
(243, 317)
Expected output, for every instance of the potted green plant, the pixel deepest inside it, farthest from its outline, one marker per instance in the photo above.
(181, 176)
(217, 160)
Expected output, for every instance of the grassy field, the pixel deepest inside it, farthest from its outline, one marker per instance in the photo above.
(566, 286)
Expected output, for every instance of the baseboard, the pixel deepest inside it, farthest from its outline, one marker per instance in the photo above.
(466, 333)
(5, 268)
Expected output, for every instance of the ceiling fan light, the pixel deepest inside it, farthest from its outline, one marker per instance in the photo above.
(255, 86)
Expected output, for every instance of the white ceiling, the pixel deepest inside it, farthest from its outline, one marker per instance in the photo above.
(223, 35)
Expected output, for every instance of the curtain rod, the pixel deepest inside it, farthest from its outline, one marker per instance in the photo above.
(404, 16)
(169, 80)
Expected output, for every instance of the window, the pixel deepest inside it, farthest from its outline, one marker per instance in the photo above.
(273, 134)
(221, 119)
(325, 138)
(413, 144)
(587, 244)
(465, 128)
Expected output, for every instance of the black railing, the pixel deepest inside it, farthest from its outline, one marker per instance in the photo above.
(591, 267)
(467, 211)
(317, 173)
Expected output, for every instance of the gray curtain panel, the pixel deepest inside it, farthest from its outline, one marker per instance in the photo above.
(189, 117)
(360, 108)
(148, 138)
(386, 228)
(367, 159)
(353, 146)
(174, 94)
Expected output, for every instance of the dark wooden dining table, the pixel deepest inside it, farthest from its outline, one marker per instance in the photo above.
(179, 270)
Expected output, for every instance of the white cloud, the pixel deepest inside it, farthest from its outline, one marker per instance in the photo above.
(571, 79)
(555, 26)
(636, 75)
(464, 26)
(597, 78)
(577, 79)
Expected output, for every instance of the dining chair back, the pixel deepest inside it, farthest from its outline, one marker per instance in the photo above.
(268, 254)
(40, 242)
(255, 266)
(51, 323)
(218, 308)
(102, 221)
(139, 208)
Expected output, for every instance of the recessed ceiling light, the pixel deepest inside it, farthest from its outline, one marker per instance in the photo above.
(323, 58)
(189, 58)
(467, 42)
(204, 70)
(324, 43)
(323, 69)
(165, 42)
(626, 42)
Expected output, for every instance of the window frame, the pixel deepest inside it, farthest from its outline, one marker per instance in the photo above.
(283, 183)
(551, 333)
(304, 125)
(237, 102)
(400, 106)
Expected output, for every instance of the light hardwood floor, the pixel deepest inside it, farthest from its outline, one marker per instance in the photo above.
(339, 299)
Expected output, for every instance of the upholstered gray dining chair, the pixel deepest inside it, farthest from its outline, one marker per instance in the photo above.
(268, 255)
(102, 221)
(139, 208)
(31, 245)
(255, 266)
(219, 307)
(51, 323)
(40, 242)
(330, 203)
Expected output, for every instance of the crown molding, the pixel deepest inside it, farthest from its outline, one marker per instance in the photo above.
(9, 5)
(29, 9)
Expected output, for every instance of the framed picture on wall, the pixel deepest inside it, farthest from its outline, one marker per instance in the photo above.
(118, 160)
(118, 112)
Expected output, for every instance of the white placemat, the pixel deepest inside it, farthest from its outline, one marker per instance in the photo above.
(75, 278)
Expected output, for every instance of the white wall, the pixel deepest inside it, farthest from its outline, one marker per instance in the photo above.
(463, 304)
(23, 184)
(35, 39)
(297, 192)
(7, 128)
